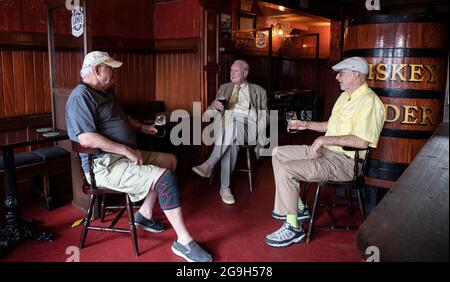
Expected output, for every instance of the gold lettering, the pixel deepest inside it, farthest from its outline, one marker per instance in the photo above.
(370, 77)
(409, 114)
(432, 69)
(396, 111)
(416, 70)
(426, 116)
(403, 72)
(381, 72)
(396, 71)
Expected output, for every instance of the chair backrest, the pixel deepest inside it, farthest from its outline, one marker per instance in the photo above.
(360, 164)
(89, 187)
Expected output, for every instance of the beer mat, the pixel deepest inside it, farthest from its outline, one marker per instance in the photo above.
(50, 134)
(44, 129)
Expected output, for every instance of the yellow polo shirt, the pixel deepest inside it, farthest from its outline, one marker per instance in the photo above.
(361, 114)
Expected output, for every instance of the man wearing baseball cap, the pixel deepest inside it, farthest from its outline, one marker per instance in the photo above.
(95, 119)
(356, 121)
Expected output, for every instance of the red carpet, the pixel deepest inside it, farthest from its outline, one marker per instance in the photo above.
(231, 233)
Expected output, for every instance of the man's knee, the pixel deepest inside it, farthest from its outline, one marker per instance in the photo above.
(168, 193)
(275, 151)
(172, 161)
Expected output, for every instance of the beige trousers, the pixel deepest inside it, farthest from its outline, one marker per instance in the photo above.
(293, 163)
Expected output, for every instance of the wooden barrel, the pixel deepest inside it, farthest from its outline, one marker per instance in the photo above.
(407, 56)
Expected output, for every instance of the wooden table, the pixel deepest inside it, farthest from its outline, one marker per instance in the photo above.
(16, 229)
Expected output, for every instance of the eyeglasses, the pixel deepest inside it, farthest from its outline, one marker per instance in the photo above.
(342, 72)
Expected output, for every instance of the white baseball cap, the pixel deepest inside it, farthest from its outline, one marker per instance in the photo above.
(353, 63)
(96, 57)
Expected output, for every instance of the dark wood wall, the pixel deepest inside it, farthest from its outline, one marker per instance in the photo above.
(24, 83)
(167, 66)
(25, 87)
(179, 79)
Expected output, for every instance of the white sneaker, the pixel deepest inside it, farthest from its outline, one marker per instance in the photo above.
(227, 196)
(203, 170)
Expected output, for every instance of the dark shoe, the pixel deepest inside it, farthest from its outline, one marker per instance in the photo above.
(285, 236)
(146, 224)
(192, 252)
(301, 215)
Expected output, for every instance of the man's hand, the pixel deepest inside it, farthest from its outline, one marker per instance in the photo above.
(134, 155)
(298, 124)
(315, 148)
(218, 105)
(149, 129)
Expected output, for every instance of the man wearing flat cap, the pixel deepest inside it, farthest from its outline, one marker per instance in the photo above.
(95, 119)
(356, 121)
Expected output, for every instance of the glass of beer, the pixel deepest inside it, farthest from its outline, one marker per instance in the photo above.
(160, 124)
(223, 101)
(291, 115)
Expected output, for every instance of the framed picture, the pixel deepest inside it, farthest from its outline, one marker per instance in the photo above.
(225, 25)
(246, 20)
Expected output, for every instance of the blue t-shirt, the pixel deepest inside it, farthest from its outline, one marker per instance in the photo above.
(90, 110)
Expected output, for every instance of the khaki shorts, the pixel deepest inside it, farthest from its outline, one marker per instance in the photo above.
(116, 172)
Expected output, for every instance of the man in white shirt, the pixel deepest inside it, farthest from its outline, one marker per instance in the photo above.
(244, 119)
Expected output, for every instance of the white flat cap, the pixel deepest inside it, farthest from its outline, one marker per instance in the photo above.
(96, 57)
(353, 63)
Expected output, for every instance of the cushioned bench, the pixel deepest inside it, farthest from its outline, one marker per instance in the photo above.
(28, 165)
(56, 160)
(45, 163)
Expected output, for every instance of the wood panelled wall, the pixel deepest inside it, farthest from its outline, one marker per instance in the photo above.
(25, 89)
(135, 81)
(24, 78)
(178, 79)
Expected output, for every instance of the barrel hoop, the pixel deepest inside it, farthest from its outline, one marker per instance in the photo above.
(407, 134)
(396, 53)
(385, 170)
(409, 93)
(405, 18)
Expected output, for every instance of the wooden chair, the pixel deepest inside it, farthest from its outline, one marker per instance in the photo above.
(353, 185)
(90, 188)
(250, 168)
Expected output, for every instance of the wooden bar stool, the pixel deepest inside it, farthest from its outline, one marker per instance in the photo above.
(249, 169)
(90, 188)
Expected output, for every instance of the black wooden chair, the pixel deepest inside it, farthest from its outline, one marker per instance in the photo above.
(250, 165)
(90, 188)
(356, 184)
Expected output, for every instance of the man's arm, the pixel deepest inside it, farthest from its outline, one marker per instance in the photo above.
(311, 125)
(141, 127)
(317, 126)
(96, 140)
(345, 140)
(135, 124)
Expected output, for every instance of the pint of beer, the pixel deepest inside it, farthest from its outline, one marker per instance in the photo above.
(291, 115)
(160, 124)
(224, 102)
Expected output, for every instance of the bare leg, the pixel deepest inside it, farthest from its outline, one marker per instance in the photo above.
(175, 217)
(146, 209)
(147, 206)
